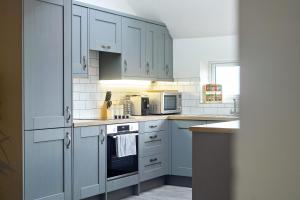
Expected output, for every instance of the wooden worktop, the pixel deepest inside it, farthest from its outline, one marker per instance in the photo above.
(81, 123)
(222, 127)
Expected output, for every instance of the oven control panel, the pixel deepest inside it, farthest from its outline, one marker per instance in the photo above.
(121, 128)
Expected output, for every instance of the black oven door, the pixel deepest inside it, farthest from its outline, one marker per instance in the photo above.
(118, 167)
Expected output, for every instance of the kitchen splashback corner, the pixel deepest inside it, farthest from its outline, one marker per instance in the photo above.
(89, 93)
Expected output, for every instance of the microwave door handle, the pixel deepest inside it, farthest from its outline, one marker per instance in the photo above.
(162, 103)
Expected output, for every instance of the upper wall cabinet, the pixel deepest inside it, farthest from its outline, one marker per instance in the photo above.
(105, 31)
(130, 47)
(133, 47)
(160, 52)
(47, 64)
(168, 56)
(151, 37)
(80, 41)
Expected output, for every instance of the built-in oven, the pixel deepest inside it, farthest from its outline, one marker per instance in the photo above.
(119, 166)
(165, 102)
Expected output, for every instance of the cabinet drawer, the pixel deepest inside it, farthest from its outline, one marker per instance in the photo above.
(154, 143)
(158, 125)
(153, 166)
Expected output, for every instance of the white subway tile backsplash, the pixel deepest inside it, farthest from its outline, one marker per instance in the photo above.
(76, 96)
(78, 105)
(89, 94)
(91, 104)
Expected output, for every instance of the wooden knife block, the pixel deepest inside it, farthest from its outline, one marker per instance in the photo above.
(106, 113)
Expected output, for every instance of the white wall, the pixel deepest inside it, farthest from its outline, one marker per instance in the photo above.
(191, 56)
(267, 147)
(118, 5)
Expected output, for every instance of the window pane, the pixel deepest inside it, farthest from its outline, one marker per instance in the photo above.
(229, 77)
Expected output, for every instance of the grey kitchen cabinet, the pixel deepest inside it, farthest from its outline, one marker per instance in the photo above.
(80, 41)
(160, 52)
(153, 143)
(105, 31)
(168, 56)
(133, 47)
(182, 147)
(151, 36)
(47, 64)
(154, 126)
(154, 155)
(153, 166)
(89, 152)
(47, 168)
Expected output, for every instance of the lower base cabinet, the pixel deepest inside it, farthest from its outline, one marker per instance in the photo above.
(154, 150)
(47, 170)
(153, 166)
(182, 147)
(89, 150)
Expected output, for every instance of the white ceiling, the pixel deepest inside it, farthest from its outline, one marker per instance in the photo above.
(191, 18)
(184, 18)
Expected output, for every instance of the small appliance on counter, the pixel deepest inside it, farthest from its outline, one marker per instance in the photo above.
(112, 111)
(140, 105)
(165, 101)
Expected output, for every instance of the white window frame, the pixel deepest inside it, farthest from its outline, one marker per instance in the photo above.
(212, 71)
(212, 68)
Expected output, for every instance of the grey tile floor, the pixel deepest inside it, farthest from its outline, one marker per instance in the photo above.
(166, 192)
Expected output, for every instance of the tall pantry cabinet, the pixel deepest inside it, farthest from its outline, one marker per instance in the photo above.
(44, 119)
(47, 99)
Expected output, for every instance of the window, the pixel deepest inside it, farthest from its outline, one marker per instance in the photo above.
(228, 75)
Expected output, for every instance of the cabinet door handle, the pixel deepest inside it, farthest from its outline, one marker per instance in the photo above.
(68, 114)
(103, 46)
(103, 136)
(153, 159)
(183, 128)
(167, 69)
(152, 164)
(108, 47)
(153, 136)
(84, 63)
(68, 140)
(153, 126)
(125, 65)
(148, 68)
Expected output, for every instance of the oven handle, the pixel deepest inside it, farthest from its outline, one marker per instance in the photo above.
(115, 135)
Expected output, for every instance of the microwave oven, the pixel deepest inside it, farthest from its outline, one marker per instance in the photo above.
(165, 102)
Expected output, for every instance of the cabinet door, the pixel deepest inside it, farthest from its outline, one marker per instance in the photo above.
(168, 56)
(79, 41)
(89, 161)
(150, 51)
(133, 47)
(105, 31)
(47, 170)
(160, 52)
(47, 64)
(182, 147)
